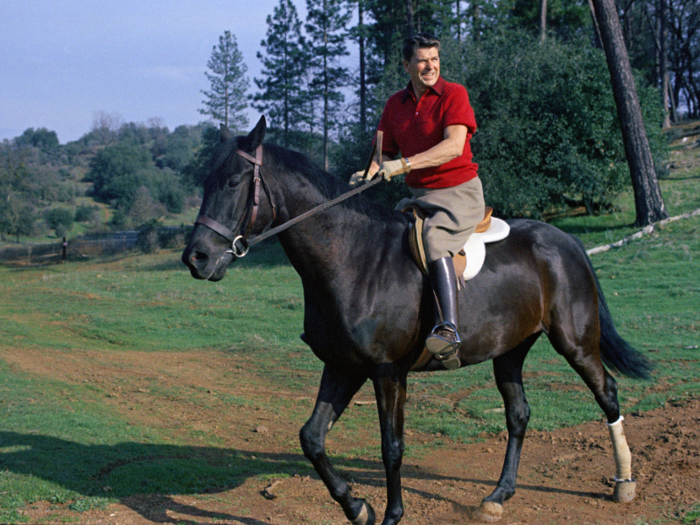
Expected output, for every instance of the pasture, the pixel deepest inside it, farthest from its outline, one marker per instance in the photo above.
(131, 393)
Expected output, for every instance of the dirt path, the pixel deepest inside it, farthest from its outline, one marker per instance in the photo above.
(565, 476)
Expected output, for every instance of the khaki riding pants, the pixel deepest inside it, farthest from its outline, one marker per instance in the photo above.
(453, 214)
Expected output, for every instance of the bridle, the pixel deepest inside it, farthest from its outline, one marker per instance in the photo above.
(239, 243)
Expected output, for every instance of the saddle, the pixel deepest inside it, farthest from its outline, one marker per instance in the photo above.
(470, 259)
(467, 262)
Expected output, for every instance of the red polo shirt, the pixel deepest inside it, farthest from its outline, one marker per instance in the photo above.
(412, 127)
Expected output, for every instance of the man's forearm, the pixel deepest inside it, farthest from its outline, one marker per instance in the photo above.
(451, 147)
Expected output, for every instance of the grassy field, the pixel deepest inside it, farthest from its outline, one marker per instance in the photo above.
(149, 303)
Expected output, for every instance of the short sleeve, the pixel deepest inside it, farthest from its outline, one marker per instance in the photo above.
(458, 110)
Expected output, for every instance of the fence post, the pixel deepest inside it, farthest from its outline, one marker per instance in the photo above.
(65, 246)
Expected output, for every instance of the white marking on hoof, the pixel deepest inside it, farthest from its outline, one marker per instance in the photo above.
(624, 491)
(363, 517)
(488, 511)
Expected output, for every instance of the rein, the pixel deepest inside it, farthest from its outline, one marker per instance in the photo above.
(240, 243)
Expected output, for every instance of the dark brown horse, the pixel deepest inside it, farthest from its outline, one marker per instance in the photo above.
(368, 308)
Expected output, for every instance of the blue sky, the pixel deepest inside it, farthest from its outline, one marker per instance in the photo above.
(61, 61)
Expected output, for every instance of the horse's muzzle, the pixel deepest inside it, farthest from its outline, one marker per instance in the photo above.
(203, 266)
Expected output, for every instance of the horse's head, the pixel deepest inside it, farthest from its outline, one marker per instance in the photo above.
(236, 204)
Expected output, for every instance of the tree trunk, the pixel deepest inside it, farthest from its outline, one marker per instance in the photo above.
(363, 67)
(649, 204)
(543, 20)
(598, 42)
(410, 27)
(663, 62)
(459, 22)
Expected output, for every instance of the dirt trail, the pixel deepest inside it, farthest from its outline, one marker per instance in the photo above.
(565, 476)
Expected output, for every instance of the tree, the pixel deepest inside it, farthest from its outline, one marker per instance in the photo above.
(326, 28)
(284, 63)
(60, 220)
(227, 97)
(17, 215)
(359, 33)
(117, 171)
(649, 204)
(105, 127)
(41, 138)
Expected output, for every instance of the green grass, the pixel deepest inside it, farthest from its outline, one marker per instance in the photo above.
(61, 443)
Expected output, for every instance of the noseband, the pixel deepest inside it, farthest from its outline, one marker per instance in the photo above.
(239, 243)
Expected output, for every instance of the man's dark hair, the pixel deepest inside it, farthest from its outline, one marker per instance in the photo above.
(419, 40)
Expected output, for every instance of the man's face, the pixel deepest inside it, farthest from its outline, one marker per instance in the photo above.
(423, 68)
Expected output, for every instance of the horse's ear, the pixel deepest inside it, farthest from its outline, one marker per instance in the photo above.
(224, 134)
(255, 138)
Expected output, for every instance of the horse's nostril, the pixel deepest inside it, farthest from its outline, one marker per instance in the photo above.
(199, 259)
(196, 260)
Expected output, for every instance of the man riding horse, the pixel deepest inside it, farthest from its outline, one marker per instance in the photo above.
(430, 123)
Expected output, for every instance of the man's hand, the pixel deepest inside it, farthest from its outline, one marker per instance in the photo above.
(392, 168)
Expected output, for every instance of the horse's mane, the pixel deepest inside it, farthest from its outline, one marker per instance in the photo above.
(328, 185)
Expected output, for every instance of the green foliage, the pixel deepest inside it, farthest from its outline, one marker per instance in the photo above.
(197, 169)
(692, 515)
(548, 129)
(147, 240)
(60, 220)
(124, 175)
(326, 29)
(84, 213)
(41, 138)
(284, 62)
(227, 99)
(115, 171)
(565, 19)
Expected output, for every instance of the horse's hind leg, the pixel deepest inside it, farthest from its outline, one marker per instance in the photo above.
(585, 359)
(508, 371)
(334, 395)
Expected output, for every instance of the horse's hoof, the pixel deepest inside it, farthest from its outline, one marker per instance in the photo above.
(624, 491)
(366, 515)
(488, 511)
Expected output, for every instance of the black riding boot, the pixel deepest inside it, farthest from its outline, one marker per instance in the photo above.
(444, 341)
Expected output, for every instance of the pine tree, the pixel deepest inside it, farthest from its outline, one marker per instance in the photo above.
(649, 203)
(284, 62)
(327, 30)
(227, 98)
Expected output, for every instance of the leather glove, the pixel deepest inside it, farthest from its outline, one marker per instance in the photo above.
(392, 168)
(357, 178)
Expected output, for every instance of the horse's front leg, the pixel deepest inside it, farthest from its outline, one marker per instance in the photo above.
(334, 396)
(391, 401)
(508, 371)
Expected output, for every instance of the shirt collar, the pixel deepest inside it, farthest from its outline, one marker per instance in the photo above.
(438, 89)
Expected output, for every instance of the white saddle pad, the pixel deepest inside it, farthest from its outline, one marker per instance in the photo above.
(476, 246)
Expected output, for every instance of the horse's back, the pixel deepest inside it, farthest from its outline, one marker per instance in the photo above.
(528, 279)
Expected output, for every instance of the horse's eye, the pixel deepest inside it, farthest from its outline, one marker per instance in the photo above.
(232, 183)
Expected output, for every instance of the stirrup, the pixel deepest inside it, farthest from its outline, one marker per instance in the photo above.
(443, 343)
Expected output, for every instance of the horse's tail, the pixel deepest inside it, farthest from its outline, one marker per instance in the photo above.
(616, 353)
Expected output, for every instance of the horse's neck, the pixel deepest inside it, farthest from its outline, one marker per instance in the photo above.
(324, 242)
(340, 239)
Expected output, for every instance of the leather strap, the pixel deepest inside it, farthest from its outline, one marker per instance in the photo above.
(218, 228)
(255, 199)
